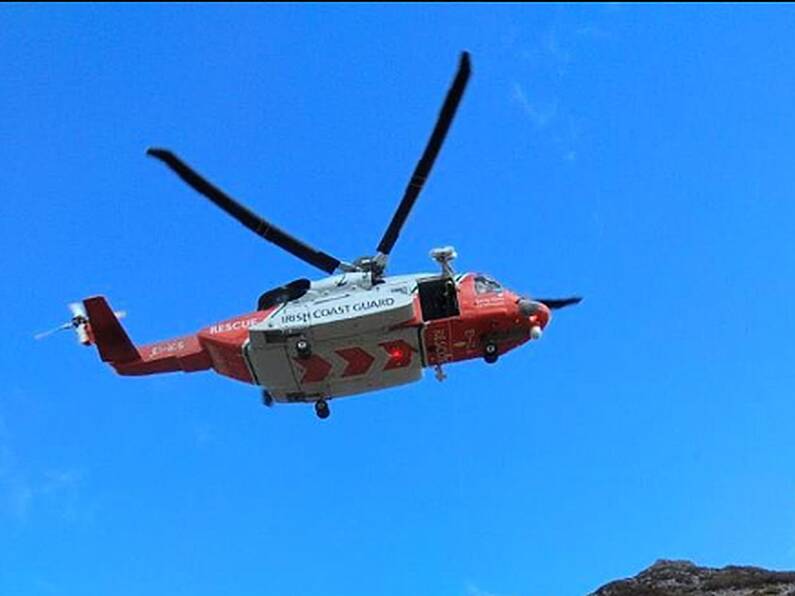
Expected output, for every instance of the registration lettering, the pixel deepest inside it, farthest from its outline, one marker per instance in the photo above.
(168, 348)
(441, 344)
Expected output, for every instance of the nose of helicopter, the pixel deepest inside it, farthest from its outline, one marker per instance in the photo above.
(536, 314)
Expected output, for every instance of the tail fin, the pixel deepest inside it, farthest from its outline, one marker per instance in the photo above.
(112, 341)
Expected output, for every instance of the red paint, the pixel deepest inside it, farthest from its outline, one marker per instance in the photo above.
(218, 346)
(179, 354)
(316, 369)
(106, 331)
(224, 341)
(486, 317)
(359, 361)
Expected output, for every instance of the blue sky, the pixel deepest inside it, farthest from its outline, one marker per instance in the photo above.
(639, 155)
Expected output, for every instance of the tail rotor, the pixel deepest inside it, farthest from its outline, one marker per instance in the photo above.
(79, 323)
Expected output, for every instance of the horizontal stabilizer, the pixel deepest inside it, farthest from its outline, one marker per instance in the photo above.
(112, 341)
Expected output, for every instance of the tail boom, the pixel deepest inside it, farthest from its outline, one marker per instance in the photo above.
(115, 347)
(184, 354)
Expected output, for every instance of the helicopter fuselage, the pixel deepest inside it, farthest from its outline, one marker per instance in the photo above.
(346, 335)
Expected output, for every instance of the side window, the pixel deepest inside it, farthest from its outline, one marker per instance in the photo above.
(486, 285)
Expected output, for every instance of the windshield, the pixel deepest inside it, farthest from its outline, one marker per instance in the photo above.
(485, 284)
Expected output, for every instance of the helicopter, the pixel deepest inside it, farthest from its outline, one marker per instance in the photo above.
(356, 330)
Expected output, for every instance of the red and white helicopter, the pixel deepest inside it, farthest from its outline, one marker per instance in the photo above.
(353, 332)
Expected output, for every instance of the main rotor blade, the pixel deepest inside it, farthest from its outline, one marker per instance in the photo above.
(248, 218)
(556, 303)
(423, 168)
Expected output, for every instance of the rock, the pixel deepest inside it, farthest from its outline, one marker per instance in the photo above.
(683, 578)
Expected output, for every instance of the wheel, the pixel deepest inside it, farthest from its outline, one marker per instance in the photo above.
(321, 409)
(267, 398)
(303, 349)
(490, 352)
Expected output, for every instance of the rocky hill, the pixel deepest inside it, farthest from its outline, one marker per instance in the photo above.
(683, 578)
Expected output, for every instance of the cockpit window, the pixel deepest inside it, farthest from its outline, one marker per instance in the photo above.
(485, 285)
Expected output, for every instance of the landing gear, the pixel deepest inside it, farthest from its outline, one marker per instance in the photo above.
(490, 352)
(267, 398)
(321, 409)
(303, 349)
